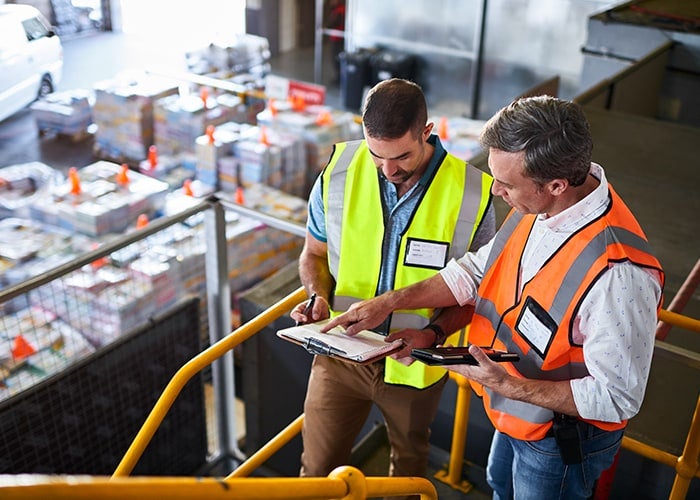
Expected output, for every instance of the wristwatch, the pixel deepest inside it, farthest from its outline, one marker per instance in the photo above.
(440, 335)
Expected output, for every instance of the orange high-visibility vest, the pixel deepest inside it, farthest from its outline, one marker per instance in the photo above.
(551, 299)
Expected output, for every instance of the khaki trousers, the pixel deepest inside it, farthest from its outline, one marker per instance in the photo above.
(338, 400)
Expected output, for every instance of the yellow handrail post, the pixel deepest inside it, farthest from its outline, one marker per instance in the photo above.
(688, 466)
(453, 475)
(195, 365)
(269, 449)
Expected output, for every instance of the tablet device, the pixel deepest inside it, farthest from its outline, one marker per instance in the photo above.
(458, 356)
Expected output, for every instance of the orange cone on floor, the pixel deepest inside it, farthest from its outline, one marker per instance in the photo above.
(21, 348)
(187, 187)
(152, 156)
(298, 103)
(443, 133)
(210, 133)
(75, 188)
(263, 136)
(324, 118)
(142, 221)
(123, 175)
(204, 95)
(98, 263)
(239, 195)
(272, 105)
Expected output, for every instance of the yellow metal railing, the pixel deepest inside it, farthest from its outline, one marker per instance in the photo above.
(344, 482)
(686, 466)
(194, 366)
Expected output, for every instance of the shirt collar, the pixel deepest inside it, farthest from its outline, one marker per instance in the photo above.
(438, 153)
(585, 210)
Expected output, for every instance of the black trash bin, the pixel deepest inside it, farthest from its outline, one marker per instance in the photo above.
(355, 75)
(387, 63)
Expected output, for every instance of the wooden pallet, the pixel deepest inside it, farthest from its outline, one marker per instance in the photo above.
(74, 137)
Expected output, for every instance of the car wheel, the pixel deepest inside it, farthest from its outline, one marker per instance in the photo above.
(46, 86)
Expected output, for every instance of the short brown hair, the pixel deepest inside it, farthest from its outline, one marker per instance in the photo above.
(393, 107)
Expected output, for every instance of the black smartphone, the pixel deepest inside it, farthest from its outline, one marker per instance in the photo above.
(459, 355)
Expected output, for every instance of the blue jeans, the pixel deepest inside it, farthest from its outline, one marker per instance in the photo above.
(533, 470)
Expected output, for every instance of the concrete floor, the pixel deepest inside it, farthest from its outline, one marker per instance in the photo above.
(653, 165)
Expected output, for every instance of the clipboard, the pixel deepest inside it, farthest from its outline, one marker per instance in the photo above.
(365, 347)
(459, 356)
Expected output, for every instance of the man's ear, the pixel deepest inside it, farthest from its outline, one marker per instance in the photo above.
(427, 130)
(557, 186)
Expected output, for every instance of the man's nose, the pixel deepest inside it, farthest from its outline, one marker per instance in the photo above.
(496, 189)
(390, 167)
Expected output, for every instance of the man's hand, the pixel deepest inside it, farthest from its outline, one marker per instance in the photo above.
(488, 373)
(319, 311)
(553, 394)
(363, 315)
(412, 339)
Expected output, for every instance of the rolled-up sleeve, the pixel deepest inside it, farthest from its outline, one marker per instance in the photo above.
(617, 327)
(462, 276)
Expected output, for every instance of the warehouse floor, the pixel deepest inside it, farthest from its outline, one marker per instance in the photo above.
(653, 166)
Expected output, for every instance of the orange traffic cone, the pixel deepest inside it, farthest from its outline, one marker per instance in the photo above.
(187, 187)
(123, 175)
(324, 118)
(298, 103)
(272, 105)
(21, 348)
(263, 136)
(442, 129)
(210, 133)
(239, 195)
(75, 188)
(204, 95)
(153, 156)
(141, 221)
(98, 263)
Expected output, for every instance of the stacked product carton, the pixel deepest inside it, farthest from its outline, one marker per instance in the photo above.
(212, 147)
(68, 112)
(320, 127)
(24, 183)
(123, 112)
(179, 120)
(35, 344)
(100, 198)
(459, 135)
(101, 302)
(271, 157)
(239, 53)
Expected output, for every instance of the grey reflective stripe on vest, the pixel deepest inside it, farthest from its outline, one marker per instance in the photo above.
(593, 251)
(343, 302)
(522, 410)
(336, 203)
(399, 319)
(468, 212)
(502, 236)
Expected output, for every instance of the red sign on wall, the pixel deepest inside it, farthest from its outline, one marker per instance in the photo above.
(283, 88)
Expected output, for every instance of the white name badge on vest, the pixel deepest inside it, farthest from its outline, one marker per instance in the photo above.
(536, 326)
(424, 253)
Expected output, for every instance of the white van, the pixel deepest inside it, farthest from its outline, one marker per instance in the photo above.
(31, 57)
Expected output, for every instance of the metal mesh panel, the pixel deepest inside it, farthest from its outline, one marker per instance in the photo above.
(82, 420)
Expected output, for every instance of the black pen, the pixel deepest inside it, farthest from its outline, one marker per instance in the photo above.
(308, 307)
